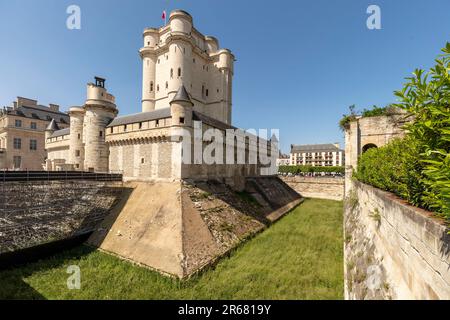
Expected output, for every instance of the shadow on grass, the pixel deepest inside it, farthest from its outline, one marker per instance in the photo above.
(13, 285)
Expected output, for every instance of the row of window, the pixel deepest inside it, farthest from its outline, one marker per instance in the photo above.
(18, 124)
(18, 144)
(205, 92)
(309, 154)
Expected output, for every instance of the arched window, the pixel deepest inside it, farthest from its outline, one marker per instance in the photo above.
(368, 146)
(157, 88)
(171, 73)
(167, 85)
(179, 72)
(151, 86)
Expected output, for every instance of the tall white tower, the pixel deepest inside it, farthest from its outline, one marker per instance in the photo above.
(179, 55)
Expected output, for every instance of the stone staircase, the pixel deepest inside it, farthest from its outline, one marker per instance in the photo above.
(271, 192)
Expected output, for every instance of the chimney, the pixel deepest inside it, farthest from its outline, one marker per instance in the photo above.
(21, 101)
(54, 107)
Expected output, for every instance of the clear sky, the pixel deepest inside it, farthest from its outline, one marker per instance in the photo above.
(300, 64)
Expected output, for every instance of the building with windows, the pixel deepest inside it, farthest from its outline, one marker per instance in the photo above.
(186, 82)
(178, 54)
(324, 155)
(22, 137)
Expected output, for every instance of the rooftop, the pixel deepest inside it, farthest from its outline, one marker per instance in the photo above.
(326, 147)
(141, 117)
(37, 112)
(60, 133)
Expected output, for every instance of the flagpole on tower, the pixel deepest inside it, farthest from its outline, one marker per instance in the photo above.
(164, 16)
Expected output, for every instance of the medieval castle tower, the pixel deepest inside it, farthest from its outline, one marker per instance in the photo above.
(187, 78)
(178, 54)
(82, 146)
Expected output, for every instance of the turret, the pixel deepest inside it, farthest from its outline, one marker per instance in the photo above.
(148, 56)
(180, 22)
(99, 110)
(181, 108)
(76, 152)
(212, 44)
(52, 127)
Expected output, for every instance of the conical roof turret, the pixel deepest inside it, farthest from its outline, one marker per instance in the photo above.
(182, 96)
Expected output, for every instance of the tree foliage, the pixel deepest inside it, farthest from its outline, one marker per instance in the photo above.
(426, 96)
(417, 168)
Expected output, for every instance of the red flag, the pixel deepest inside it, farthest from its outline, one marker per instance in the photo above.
(164, 15)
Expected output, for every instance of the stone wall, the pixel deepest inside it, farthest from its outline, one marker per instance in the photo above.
(393, 250)
(33, 213)
(180, 227)
(317, 187)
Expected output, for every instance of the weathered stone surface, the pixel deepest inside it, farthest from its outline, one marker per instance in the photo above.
(317, 187)
(392, 249)
(178, 228)
(32, 213)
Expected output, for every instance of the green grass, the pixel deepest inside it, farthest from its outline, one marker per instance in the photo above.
(299, 257)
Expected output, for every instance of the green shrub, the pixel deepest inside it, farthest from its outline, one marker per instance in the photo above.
(347, 118)
(417, 167)
(375, 111)
(427, 98)
(395, 167)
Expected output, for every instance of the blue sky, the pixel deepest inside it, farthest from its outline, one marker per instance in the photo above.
(300, 64)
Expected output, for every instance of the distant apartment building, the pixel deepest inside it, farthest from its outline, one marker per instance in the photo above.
(22, 133)
(324, 155)
(283, 160)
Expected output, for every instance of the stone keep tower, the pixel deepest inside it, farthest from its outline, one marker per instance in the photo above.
(177, 55)
(99, 110)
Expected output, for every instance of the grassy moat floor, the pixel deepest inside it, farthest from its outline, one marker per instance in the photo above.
(299, 257)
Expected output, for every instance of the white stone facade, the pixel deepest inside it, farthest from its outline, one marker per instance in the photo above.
(178, 54)
(318, 155)
(186, 79)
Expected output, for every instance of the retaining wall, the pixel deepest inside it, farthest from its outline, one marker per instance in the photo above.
(393, 250)
(317, 187)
